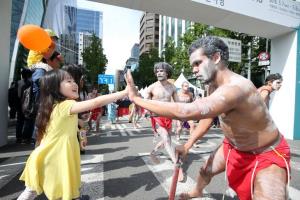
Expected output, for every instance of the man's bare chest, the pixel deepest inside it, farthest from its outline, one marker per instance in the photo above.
(162, 92)
(184, 98)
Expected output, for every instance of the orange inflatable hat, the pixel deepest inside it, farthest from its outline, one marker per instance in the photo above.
(34, 37)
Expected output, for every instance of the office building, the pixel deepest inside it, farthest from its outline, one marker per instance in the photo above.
(149, 32)
(88, 22)
(23, 12)
(173, 28)
(84, 41)
(133, 61)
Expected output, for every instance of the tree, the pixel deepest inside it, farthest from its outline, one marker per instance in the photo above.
(94, 59)
(169, 50)
(179, 59)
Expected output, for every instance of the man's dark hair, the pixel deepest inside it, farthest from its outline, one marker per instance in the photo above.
(210, 46)
(273, 77)
(165, 66)
(54, 55)
(26, 73)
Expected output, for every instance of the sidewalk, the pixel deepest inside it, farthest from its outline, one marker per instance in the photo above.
(13, 149)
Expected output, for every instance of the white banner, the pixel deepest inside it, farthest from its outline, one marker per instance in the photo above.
(282, 12)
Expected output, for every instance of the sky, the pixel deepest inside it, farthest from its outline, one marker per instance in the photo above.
(120, 32)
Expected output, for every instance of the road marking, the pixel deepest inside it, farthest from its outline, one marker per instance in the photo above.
(13, 164)
(295, 165)
(163, 173)
(12, 167)
(293, 193)
(122, 131)
(92, 176)
(109, 134)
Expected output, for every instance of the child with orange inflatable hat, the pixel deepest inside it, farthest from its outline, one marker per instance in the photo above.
(36, 56)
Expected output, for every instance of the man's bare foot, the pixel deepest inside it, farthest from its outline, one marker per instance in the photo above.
(154, 158)
(191, 194)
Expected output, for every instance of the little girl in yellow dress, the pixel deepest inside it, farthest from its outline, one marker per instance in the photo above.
(53, 168)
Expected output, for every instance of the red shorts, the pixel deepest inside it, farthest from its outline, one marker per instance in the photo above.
(241, 165)
(123, 111)
(95, 113)
(162, 122)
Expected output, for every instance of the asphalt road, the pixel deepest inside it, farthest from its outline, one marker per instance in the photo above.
(117, 165)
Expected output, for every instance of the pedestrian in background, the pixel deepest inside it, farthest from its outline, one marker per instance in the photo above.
(112, 111)
(273, 83)
(24, 126)
(96, 113)
(12, 101)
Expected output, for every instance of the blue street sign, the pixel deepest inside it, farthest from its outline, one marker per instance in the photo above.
(105, 79)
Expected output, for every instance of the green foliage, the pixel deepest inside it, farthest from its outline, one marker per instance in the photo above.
(144, 75)
(169, 51)
(94, 59)
(179, 59)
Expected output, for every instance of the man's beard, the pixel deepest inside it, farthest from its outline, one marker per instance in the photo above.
(161, 78)
(210, 75)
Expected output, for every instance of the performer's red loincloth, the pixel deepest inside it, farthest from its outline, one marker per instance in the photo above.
(95, 113)
(161, 121)
(242, 165)
(123, 111)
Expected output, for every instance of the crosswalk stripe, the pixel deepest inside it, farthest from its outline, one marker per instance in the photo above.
(163, 173)
(113, 127)
(122, 131)
(92, 176)
(293, 193)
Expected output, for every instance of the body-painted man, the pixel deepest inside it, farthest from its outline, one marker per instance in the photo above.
(185, 96)
(272, 83)
(254, 154)
(164, 91)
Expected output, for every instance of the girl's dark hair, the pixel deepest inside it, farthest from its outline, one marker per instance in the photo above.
(49, 96)
(77, 73)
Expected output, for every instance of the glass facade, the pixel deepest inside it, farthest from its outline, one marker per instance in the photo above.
(135, 51)
(89, 21)
(23, 12)
(35, 12)
(16, 14)
(34, 15)
(68, 39)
